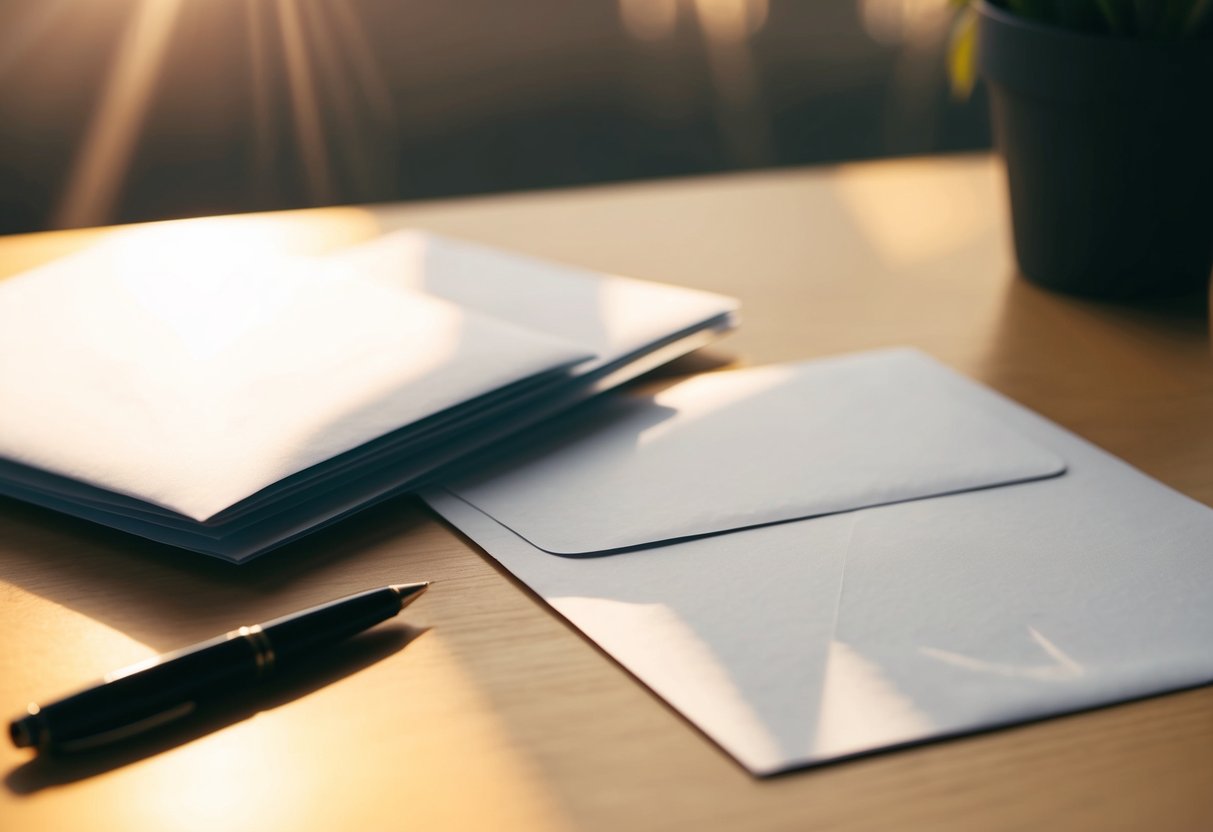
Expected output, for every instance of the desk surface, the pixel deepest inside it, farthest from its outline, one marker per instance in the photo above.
(482, 709)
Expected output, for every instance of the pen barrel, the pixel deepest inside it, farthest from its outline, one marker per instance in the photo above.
(294, 638)
(146, 694)
(163, 688)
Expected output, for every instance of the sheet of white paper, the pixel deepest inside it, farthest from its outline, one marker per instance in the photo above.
(808, 641)
(610, 315)
(129, 360)
(751, 447)
(193, 383)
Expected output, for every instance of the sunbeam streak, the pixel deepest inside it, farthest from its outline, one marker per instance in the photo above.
(305, 107)
(109, 143)
(358, 50)
(336, 88)
(264, 124)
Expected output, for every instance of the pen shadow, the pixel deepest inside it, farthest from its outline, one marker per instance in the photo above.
(166, 598)
(51, 769)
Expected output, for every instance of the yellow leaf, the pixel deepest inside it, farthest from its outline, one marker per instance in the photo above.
(962, 53)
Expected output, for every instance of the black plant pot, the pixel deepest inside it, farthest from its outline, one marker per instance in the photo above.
(1108, 144)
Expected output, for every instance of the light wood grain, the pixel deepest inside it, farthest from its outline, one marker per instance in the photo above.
(481, 709)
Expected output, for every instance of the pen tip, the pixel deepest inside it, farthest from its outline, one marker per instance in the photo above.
(408, 592)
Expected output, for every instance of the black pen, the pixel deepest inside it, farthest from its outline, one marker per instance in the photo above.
(170, 686)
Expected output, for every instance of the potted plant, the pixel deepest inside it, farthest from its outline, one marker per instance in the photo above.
(1103, 112)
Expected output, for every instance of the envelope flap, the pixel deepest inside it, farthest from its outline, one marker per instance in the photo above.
(751, 447)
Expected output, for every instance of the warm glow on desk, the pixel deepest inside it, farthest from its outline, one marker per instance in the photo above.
(914, 213)
(247, 238)
(237, 772)
(303, 233)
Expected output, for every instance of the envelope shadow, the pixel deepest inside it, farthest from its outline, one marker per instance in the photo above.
(50, 769)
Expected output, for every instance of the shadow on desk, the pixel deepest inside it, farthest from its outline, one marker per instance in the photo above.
(1128, 376)
(167, 598)
(1050, 351)
(48, 770)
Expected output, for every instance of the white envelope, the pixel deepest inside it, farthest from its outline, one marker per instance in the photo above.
(998, 570)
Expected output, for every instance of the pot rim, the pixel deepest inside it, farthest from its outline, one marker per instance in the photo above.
(1052, 62)
(1004, 17)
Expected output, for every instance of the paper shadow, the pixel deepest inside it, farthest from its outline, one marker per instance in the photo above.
(166, 597)
(50, 769)
(703, 360)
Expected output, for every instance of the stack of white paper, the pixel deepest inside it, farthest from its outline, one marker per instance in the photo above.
(228, 405)
(820, 560)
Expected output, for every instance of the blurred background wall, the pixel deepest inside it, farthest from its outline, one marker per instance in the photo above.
(127, 110)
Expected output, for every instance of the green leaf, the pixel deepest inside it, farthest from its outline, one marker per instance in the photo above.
(1200, 19)
(1115, 18)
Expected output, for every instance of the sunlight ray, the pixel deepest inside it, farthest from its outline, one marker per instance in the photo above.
(356, 47)
(344, 109)
(109, 142)
(744, 121)
(305, 106)
(263, 115)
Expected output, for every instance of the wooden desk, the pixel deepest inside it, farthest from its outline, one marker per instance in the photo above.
(482, 710)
